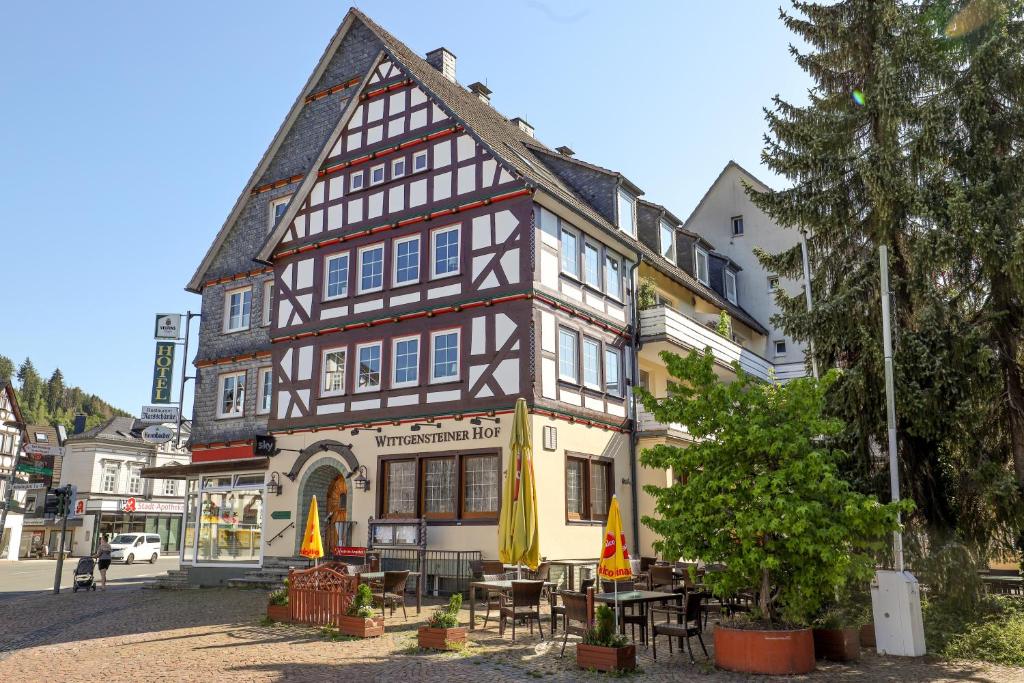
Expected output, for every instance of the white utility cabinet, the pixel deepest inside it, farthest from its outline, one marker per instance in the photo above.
(896, 606)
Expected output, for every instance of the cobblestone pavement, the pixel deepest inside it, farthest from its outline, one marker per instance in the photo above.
(218, 635)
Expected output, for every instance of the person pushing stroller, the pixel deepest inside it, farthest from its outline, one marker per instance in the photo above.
(102, 554)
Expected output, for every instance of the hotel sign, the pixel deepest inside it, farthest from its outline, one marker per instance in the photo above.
(163, 371)
(473, 434)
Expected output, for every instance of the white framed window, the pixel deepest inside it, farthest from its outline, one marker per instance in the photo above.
(170, 487)
(667, 235)
(356, 180)
(737, 226)
(613, 371)
(398, 168)
(568, 356)
(627, 211)
(730, 286)
(134, 479)
(110, 477)
(277, 208)
(266, 380)
(570, 253)
(268, 301)
(332, 371)
(444, 247)
(419, 161)
(371, 268)
(368, 358)
(406, 354)
(237, 309)
(406, 260)
(592, 265)
(612, 276)
(780, 347)
(231, 395)
(377, 174)
(336, 276)
(773, 283)
(592, 363)
(700, 259)
(444, 356)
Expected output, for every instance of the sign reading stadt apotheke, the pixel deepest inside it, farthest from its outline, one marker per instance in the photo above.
(136, 505)
(163, 372)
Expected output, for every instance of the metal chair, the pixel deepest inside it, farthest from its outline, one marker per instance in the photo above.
(525, 604)
(633, 619)
(494, 597)
(690, 627)
(393, 592)
(575, 611)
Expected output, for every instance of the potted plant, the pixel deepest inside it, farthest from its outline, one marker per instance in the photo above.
(277, 605)
(359, 620)
(442, 631)
(836, 636)
(602, 648)
(759, 491)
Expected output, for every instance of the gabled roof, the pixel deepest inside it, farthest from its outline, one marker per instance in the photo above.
(115, 429)
(630, 185)
(754, 180)
(196, 283)
(12, 397)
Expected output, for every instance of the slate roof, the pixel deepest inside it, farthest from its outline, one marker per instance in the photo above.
(115, 429)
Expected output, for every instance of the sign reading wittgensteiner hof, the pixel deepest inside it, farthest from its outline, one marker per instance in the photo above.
(168, 326)
(163, 371)
(473, 434)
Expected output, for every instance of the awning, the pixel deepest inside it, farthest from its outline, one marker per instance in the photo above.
(183, 471)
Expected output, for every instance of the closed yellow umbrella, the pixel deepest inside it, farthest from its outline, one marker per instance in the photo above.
(518, 541)
(312, 544)
(614, 564)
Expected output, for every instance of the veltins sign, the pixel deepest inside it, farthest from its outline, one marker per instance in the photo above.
(136, 505)
(168, 326)
(163, 371)
(157, 434)
(159, 414)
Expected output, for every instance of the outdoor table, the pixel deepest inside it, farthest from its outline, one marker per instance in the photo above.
(377, 576)
(624, 598)
(571, 566)
(485, 586)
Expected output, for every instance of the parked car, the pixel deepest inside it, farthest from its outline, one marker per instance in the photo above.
(130, 547)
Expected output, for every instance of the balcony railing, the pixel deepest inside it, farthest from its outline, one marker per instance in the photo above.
(646, 423)
(661, 321)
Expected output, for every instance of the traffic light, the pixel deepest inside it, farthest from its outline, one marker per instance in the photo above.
(52, 504)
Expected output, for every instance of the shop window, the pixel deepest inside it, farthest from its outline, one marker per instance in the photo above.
(447, 487)
(588, 488)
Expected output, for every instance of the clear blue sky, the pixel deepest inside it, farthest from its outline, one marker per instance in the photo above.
(127, 131)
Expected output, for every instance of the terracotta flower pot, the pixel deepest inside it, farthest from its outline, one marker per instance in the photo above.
(867, 635)
(361, 627)
(837, 644)
(278, 613)
(764, 652)
(606, 658)
(431, 638)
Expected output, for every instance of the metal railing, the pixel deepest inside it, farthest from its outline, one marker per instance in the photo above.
(447, 571)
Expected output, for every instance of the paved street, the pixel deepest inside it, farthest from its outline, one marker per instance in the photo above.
(215, 635)
(29, 576)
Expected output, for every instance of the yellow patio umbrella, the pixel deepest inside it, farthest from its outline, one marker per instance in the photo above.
(518, 541)
(312, 544)
(614, 565)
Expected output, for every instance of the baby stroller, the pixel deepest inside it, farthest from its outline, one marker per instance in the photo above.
(83, 575)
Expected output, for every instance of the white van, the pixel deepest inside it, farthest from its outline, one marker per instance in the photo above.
(128, 548)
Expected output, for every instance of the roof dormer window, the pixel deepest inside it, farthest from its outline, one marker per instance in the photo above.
(700, 265)
(730, 286)
(667, 244)
(627, 213)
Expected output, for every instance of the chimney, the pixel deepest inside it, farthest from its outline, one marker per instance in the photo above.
(62, 435)
(564, 151)
(444, 61)
(79, 424)
(481, 91)
(523, 125)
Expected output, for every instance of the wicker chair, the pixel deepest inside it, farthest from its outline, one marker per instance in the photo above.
(661, 578)
(575, 605)
(525, 604)
(690, 627)
(492, 567)
(392, 592)
(559, 610)
(495, 598)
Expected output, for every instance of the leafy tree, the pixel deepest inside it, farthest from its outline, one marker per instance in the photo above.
(55, 392)
(6, 369)
(760, 490)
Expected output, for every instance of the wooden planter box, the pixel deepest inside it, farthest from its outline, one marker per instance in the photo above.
(361, 627)
(278, 613)
(606, 658)
(431, 638)
(837, 644)
(764, 652)
(867, 635)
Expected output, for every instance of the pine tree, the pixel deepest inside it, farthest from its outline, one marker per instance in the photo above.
(31, 389)
(55, 401)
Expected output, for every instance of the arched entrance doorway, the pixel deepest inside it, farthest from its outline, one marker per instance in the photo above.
(326, 480)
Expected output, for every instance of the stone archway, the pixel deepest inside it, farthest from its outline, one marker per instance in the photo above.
(325, 479)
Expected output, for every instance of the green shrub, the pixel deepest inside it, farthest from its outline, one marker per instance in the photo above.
(993, 632)
(362, 603)
(603, 634)
(724, 324)
(279, 597)
(447, 616)
(646, 294)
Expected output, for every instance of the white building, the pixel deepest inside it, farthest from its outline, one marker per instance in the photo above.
(728, 219)
(106, 463)
(10, 444)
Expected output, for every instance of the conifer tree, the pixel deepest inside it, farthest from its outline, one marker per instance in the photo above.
(6, 369)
